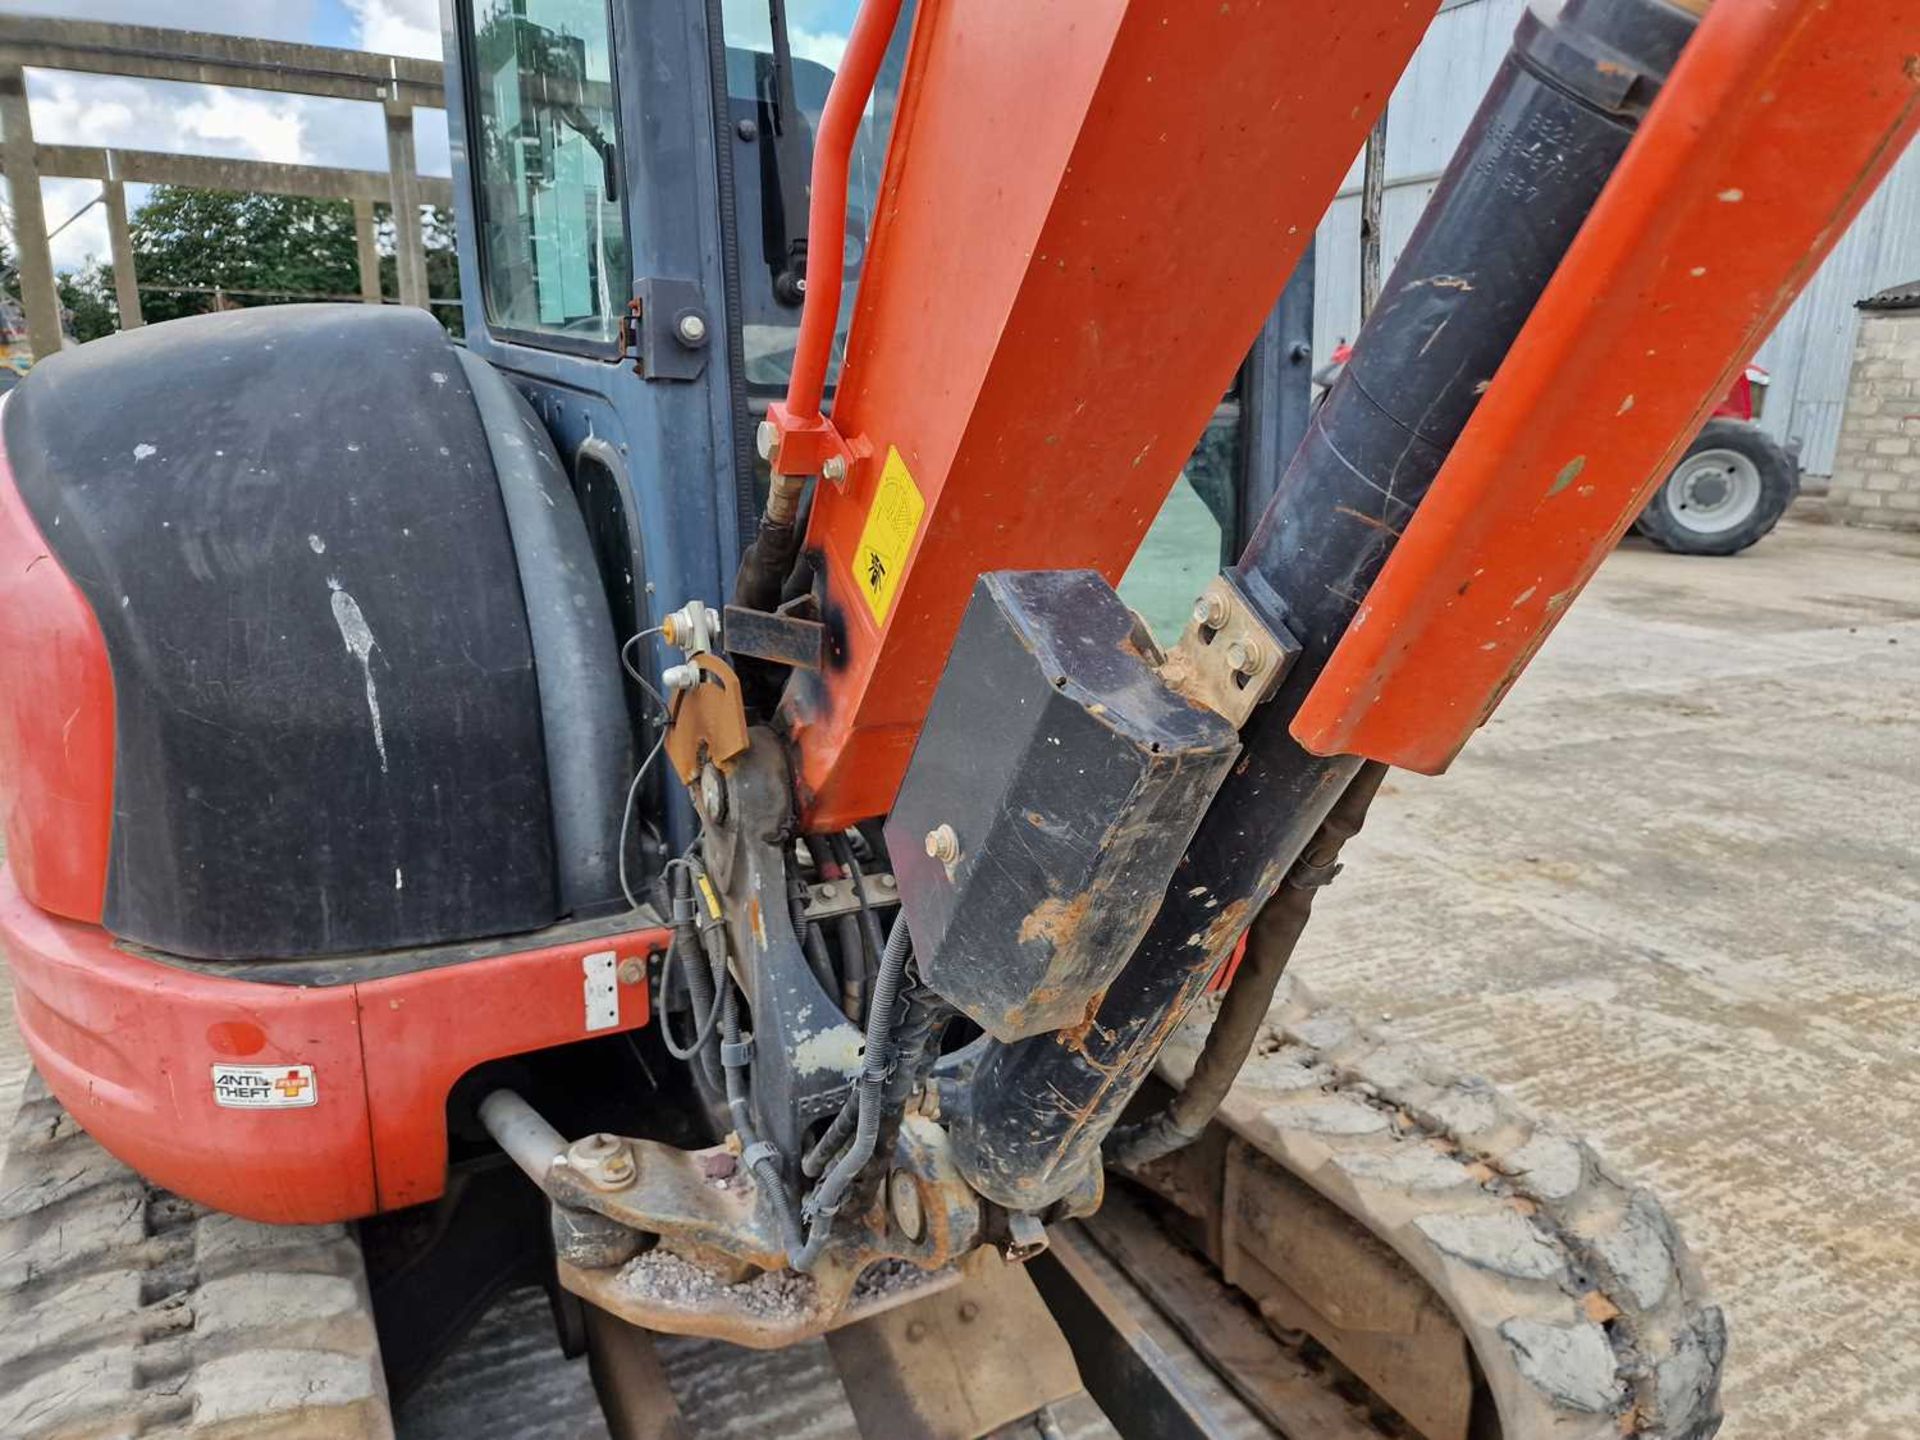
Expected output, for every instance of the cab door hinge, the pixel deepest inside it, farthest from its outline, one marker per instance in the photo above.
(665, 332)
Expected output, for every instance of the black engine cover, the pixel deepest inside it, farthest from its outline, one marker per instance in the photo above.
(328, 718)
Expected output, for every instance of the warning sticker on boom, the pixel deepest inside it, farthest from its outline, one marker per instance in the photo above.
(892, 522)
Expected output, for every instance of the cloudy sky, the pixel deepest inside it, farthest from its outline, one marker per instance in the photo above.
(73, 109)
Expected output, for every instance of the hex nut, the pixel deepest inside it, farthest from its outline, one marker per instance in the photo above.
(1244, 657)
(1210, 610)
(834, 469)
(633, 970)
(603, 1161)
(943, 845)
(691, 329)
(767, 439)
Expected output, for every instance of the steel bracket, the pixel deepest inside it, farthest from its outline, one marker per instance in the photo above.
(666, 331)
(1228, 658)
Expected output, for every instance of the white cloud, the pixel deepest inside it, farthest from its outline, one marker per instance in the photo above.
(268, 19)
(749, 28)
(398, 27)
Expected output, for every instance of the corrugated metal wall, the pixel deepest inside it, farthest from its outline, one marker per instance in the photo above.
(1809, 354)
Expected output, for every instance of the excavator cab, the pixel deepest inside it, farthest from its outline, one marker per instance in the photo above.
(683, 799)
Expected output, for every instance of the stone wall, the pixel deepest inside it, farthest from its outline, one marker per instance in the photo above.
(1876, 475)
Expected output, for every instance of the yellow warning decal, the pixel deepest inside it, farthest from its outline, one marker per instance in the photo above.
(713, 900)
(892, 522)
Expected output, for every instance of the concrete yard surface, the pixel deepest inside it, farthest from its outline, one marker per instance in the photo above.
(1670, 897)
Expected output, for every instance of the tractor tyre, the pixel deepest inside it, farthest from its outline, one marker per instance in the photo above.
(1729, 489)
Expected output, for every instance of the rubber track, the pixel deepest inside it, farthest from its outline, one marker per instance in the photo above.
(127, 1311)
(1583, 1308)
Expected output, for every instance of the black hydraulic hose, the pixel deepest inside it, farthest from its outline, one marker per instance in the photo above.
(821, 1206)
(759, 1156)
(916, 1042)
(816, 1160)
(853, 968)
(1271, 941)
(813, 946)
(869, 921)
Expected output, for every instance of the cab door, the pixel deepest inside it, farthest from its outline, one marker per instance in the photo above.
(585, 181)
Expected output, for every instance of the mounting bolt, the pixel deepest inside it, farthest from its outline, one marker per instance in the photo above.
(903, 1198)
(829, 892)
(713, 793)
(1244, 657)
(943, 845)
(632, 971)
(691, 329)
(767, 440)
(833, 469)
(1210, 610)
(603, 1161)
(969, 1311)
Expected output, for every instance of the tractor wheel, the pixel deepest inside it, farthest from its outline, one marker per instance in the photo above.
(1483, 1275)
(126, 1310)
(1729, 489)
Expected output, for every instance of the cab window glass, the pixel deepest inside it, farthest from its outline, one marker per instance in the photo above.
(546, 163)
(1187, 542)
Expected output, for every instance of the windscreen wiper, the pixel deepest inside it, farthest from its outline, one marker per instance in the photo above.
(792, 156)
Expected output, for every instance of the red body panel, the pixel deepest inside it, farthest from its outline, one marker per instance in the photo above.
(1777, 124)
(1737, 403)
(128, 1044)
(56, 722)
(1054, 301)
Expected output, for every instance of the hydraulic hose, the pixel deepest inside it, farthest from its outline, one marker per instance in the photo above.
(916, 1045)
(759, 1156)
(867, 1099)
(869, 922)
(1271, 941)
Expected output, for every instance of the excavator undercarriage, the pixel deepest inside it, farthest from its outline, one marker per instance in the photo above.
(470, 830)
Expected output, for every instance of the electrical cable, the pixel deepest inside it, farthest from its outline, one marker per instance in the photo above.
(633, 671)
(626, 818)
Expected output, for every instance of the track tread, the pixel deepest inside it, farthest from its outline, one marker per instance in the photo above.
(128, 1311)
(1584, 1310)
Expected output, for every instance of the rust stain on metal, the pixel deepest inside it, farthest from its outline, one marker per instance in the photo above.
(1056, 921)
(1074, 1037)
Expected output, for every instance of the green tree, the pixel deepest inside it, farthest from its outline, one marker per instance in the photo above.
(87, 297)
(199, 250)
(223, 249)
